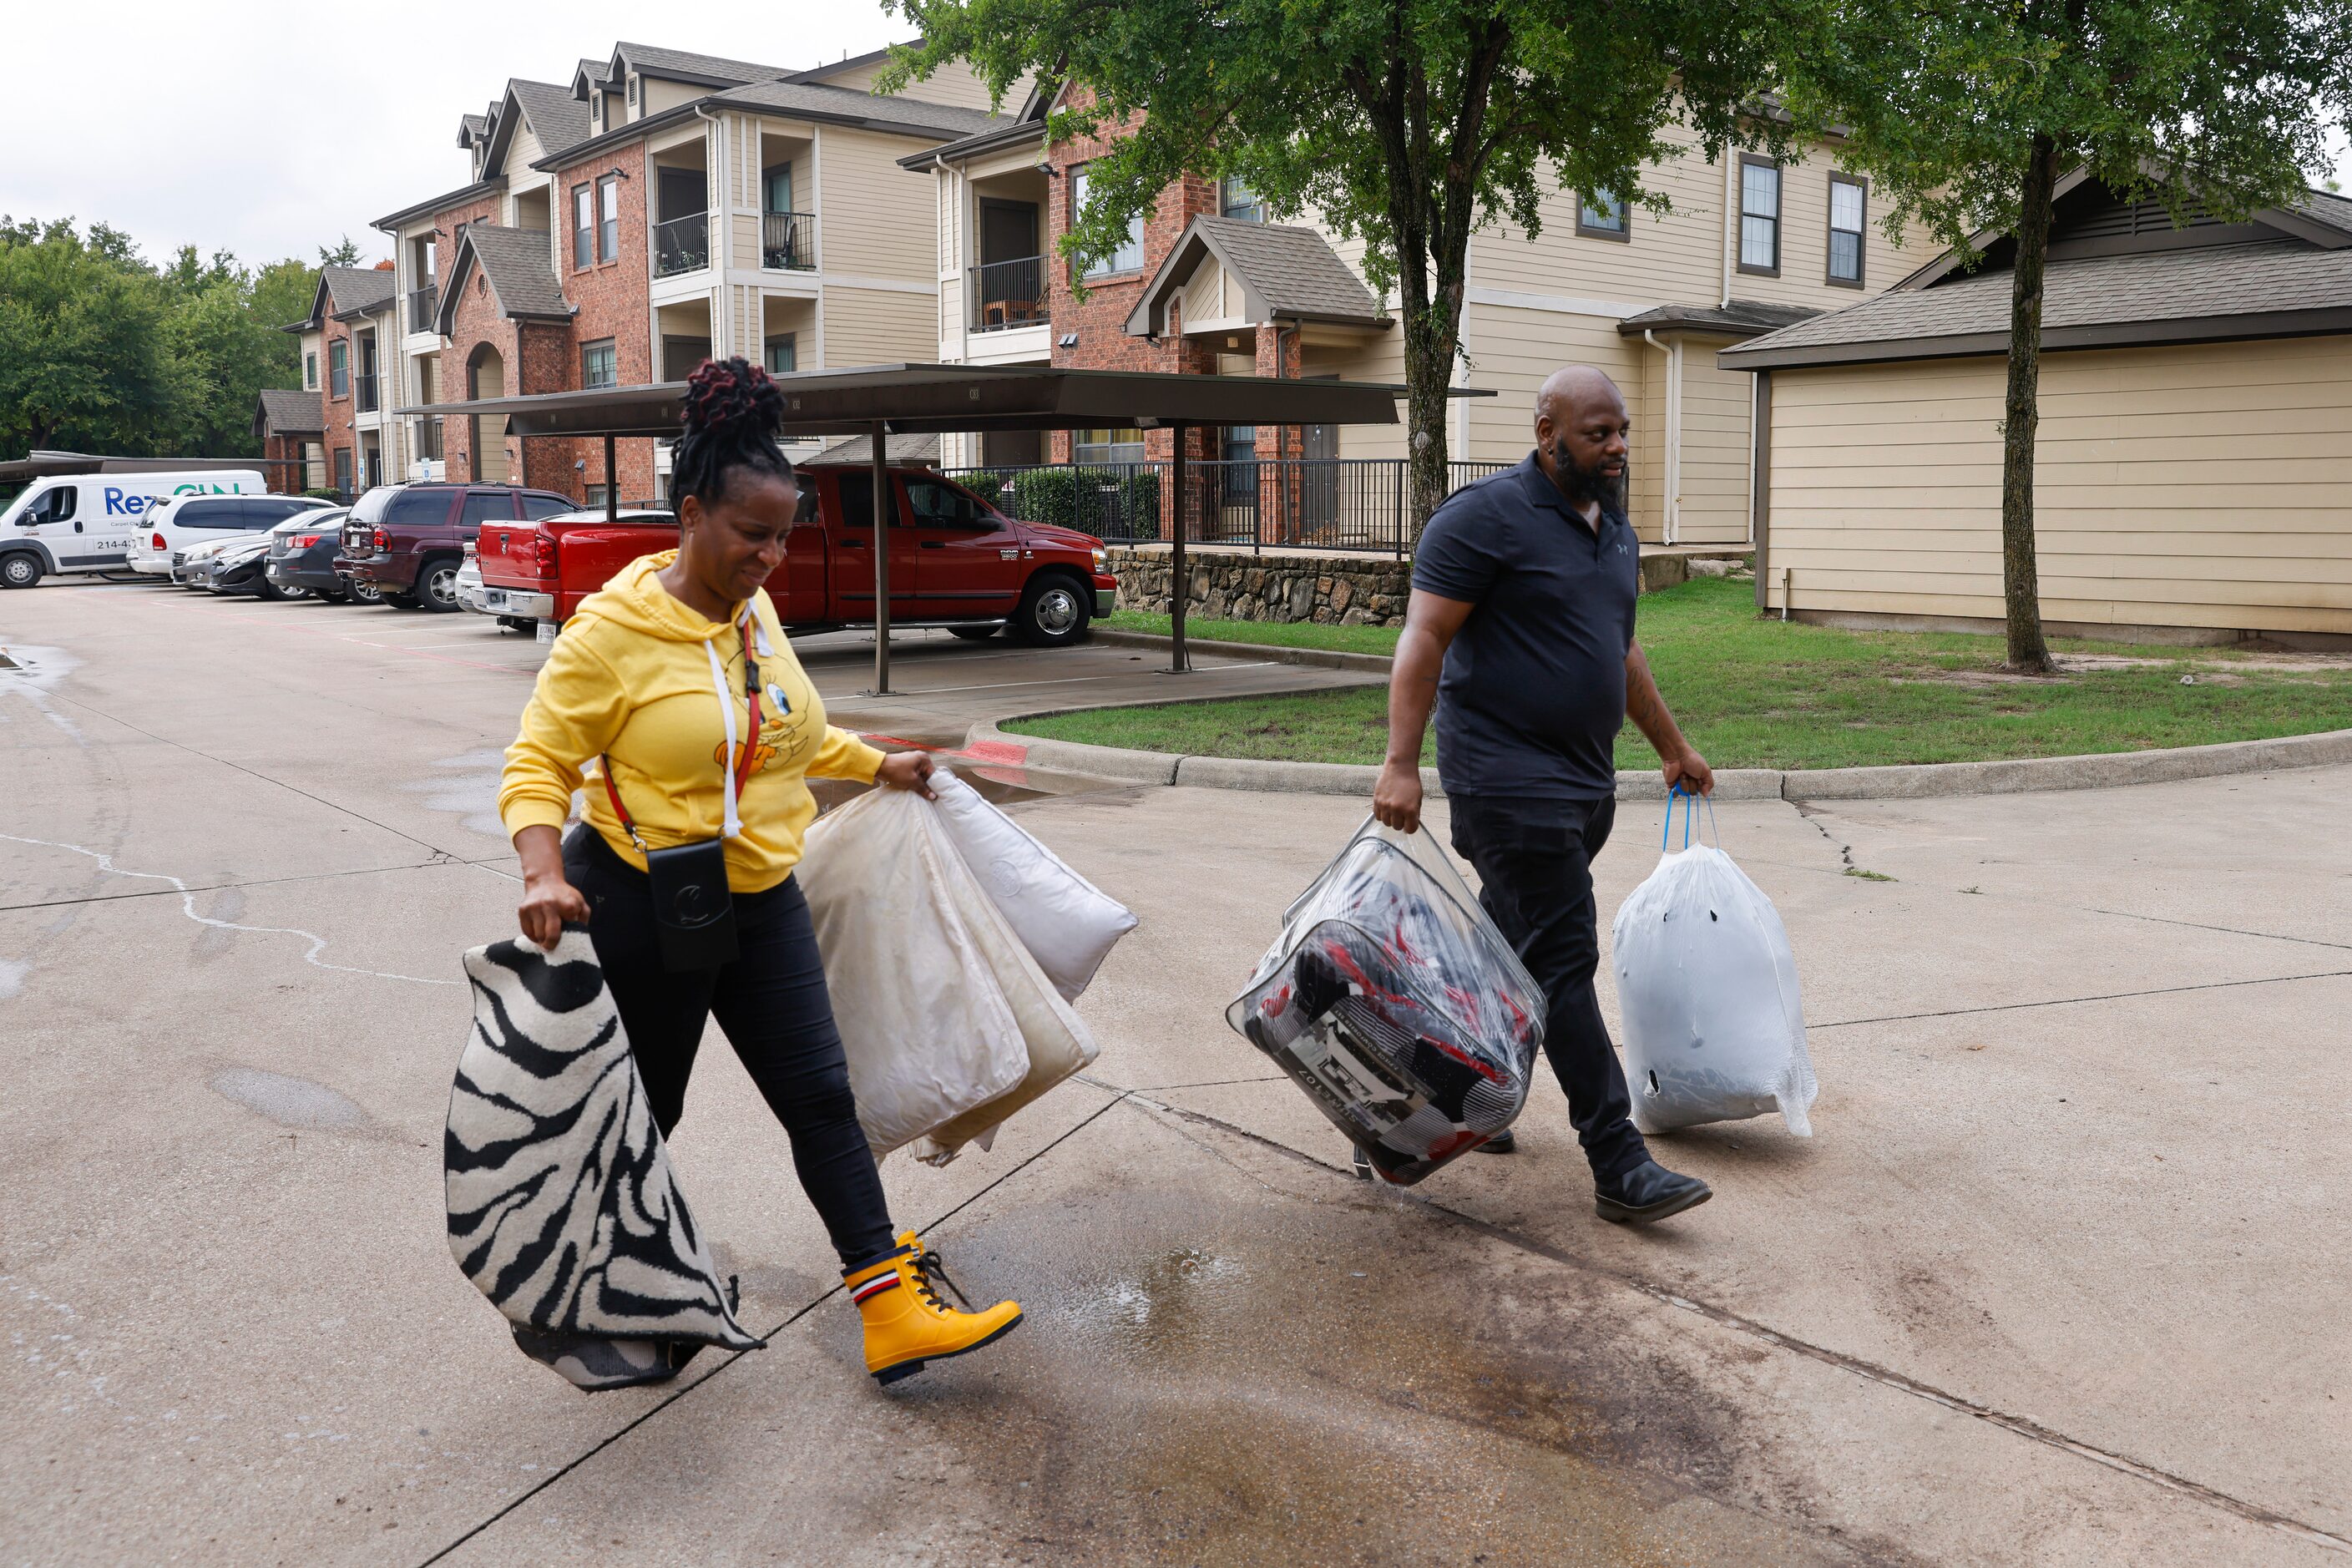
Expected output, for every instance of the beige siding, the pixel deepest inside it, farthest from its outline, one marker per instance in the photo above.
(1715, 455)
(875, 326)
(1204, 295)
(876, 219)
(1678, 259)
(656, 96)
(956, 84)
(2204, 486)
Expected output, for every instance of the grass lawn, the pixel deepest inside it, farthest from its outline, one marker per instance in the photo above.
(1760, 693)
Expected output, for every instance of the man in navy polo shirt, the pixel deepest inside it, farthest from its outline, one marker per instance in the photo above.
(1520, 629)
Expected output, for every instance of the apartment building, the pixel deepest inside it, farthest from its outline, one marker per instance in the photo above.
(1207, 284)
(659, 207)
(346, 348)
(288, 424)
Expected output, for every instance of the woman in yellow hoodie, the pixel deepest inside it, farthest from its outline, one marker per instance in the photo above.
(675, 678)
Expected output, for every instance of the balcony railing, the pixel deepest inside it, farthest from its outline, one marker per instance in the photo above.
(1006, 294)
(682, 245)
(364, 392)
(1354, 503)
(788, 241)
(424, 308)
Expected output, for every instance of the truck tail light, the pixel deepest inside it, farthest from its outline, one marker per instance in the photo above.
(157, 543)
(542, 554)
(383, 541)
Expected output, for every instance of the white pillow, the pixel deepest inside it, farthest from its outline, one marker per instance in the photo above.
(1069, 924)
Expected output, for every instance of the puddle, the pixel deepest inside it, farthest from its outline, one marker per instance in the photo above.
(292, 1101)
(32, 674)
(467, 788)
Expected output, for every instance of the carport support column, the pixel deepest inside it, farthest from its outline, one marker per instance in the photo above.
(612, 486)
(882, 509)
(1180, 575)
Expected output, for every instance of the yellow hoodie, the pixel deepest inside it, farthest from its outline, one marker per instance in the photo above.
(630, 677)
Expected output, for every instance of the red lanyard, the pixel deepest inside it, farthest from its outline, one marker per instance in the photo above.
(744, 757)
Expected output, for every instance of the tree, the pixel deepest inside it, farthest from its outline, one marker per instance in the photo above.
(82, 361)
(1969, 112)
(1407, 124)
(343, 255)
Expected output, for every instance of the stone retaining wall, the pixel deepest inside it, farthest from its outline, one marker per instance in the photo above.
(1333, 590)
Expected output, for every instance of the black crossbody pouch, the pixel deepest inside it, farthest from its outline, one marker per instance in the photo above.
(694, 912)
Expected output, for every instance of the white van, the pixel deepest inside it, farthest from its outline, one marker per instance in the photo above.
(71, 523)
(176, 524)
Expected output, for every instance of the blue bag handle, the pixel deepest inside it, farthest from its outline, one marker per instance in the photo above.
(1690, 817)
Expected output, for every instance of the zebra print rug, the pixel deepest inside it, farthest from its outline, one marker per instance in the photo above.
(562, 1209)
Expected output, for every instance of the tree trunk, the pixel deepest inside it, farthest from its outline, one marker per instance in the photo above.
(2020, 580)
(1428, 372)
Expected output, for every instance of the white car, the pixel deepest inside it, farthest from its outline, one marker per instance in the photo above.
(192, 567)
(469, 584)
(176, 524)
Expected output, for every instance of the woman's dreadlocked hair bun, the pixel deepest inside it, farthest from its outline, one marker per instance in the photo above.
(732, 413)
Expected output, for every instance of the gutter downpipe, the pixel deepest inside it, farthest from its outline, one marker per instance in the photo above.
(1671, 520)
(720, 231)
(1730, 219)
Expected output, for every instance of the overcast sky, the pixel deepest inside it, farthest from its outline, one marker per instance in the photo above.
(225, 126)
(272, 129)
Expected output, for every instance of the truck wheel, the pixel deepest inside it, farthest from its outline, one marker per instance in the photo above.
(436, 584)
(20, 569)
(1053, 612)
(363, 592)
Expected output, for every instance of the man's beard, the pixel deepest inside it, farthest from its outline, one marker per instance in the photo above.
(1582, 485)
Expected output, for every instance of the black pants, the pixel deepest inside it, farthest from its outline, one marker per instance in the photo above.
(1533, 858)
(772, 1003)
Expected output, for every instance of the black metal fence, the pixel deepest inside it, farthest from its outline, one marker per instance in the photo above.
(1007, 294)
(682, 245)
(1343, 503)
(788, 241)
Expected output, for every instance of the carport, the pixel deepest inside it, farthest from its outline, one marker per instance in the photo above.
(886, 400)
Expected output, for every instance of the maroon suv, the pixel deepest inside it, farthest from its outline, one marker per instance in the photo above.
(403, 544)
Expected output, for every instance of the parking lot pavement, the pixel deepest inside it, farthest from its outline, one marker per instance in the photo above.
(2058, 1279)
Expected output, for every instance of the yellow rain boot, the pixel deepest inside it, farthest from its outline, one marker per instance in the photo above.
(906, 1324)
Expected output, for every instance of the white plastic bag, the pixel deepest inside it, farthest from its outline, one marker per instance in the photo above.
(1714, 1029)
(926, 1027)
(1068, 923)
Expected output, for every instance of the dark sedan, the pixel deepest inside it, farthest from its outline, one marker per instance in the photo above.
(302, 556)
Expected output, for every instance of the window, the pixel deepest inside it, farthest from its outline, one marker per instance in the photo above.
(487, 506)
(1759, 216)
(343, 469)
(858, 500)
(608, 220)
(938, 505)
(597, 365)
(583, 227)
(310, 371)
(230, 513)
(783, 354)
(535, 507)
(1100, 447)
(1602, 217)
(1849, 202)
(54, 506)
(338, 370)
(776, 189)
(597, 494)
(268, 512)
(1235, 199)
(1240, 444)
(1129, 257)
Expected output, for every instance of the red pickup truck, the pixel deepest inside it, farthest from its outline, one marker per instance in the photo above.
(955, 562)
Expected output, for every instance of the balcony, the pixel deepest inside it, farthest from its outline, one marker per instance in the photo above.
(1007, 294)
(424, 308)
(682, 245)
(788, 241)
(364, 392)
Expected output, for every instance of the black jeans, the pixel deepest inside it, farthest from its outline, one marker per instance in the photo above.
(1534, 860)
(772, 1003)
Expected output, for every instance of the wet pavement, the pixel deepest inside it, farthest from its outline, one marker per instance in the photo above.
(2058, 1280)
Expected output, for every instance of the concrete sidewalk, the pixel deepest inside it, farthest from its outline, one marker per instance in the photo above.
(2058, 1280)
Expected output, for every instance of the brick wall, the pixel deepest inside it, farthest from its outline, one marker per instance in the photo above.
(476, 322)
(449, 381)
(336, 412)
(612, 300)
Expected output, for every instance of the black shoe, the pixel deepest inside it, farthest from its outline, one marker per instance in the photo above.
(1648, 1192)
(1503, 1142)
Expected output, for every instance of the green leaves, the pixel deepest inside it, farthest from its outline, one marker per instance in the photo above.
(100, 351)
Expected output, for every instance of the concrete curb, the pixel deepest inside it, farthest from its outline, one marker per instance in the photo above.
(2098, 771)
(1318, 657)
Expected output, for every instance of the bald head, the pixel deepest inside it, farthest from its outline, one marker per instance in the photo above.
(1581, 431)
(1571, 389)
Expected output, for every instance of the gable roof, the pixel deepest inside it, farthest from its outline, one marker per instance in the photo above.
(684, 65)
(857, 452)
(1285, 272)
(557, 119)
(591, 76)
(521, 277)
(873, 111)
(346, 293)
(847, 63)
(2113, 281)
(472, 128)
(1736, 318)
(283, 411)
